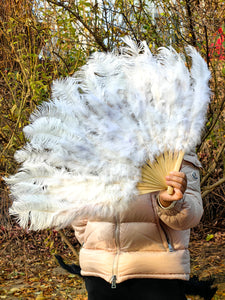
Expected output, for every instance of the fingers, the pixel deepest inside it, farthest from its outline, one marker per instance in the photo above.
(177, 195)
(177, 180)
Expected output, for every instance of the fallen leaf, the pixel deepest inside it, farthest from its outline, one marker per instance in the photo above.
(13, 290)
(40, 297)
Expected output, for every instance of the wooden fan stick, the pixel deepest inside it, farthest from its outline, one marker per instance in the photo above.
(176, 168)
(154, 173)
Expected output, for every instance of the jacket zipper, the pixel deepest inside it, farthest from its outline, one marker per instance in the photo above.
(170, 247)
(169, 244)
(115, 261)
(113, 284)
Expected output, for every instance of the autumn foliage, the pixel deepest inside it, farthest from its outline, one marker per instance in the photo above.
(51, 39)
(44, 40)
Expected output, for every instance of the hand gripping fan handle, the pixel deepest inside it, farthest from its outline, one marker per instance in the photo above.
(176, 168)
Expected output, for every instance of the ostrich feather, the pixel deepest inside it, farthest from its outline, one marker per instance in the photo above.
(92, 147)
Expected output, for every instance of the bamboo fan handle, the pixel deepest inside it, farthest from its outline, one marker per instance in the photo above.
(176, 168)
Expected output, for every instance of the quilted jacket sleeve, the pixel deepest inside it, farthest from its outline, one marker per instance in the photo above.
(79, 229)
(188, 211)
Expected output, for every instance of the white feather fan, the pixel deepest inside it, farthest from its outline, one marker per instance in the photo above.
(87, 146)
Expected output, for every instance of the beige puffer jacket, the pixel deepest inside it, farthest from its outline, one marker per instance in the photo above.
(146, 241)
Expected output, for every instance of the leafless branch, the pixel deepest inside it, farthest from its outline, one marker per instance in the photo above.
(65, 239)
(214, 164)
(208, 189)
(97, 38)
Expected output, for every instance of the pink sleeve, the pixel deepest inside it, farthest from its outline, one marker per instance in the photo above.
(79, 227)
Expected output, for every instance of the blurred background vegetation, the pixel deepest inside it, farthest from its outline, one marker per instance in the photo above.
(44, 40)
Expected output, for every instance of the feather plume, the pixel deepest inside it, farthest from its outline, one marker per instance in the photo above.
(91, 148)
